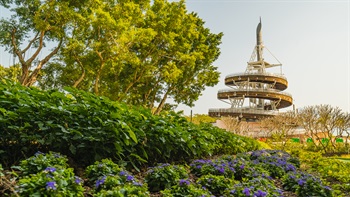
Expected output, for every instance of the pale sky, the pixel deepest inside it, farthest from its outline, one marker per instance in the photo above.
(310, 38)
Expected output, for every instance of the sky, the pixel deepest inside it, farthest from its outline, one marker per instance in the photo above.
(310, 38)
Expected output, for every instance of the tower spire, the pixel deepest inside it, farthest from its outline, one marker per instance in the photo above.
(259, 41)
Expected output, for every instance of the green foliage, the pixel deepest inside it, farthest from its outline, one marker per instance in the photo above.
(226, 142)
(52, 181)
(130, 190)
(40, 161)
(88, 128)
(100, 169)
(305, 185)
(11, 73)
(258, 187)
(184, 188)
(32, 25)
(331, 168)
(122, 179)
(200, 118)
(215, 184)
(217, 167)
(164, 176)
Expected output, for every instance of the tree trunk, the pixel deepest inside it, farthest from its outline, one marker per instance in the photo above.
(162, 102)
(82, 74)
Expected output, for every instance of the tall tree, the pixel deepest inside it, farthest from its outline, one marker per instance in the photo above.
(139, 53)
(34, 26)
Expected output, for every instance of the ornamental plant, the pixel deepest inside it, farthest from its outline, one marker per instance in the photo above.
(215, 184)
(202, 167)
(107, 184)
(164, 176)
(41, 161)
(258, 187)
(129, 190)
(305, 185)
(185, 188)
(105, 167)
(245, 169)
(277, 162)
(52, 181)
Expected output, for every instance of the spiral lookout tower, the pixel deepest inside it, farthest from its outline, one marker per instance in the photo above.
(256, 93)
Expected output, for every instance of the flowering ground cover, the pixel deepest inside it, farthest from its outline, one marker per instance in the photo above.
(261, 173)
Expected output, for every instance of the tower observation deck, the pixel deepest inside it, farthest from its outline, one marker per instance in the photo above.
(256, 93)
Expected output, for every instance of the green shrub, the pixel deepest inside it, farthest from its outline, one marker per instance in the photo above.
(52, 181)
(40, 161)
(164, 176)
(215, 184)
(88, 128)
(258, 187)
(184, 188)
(100, 169)
(305, 185)
(202, 167)
(129, 190)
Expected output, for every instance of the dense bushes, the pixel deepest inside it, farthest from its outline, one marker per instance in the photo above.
(224, 176)
(88, 128)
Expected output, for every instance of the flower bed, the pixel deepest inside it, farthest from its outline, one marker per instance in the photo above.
(250, 174)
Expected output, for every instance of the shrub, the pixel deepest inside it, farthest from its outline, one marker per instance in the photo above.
(184, 188)
(305, 185)
(275, 161)
(41, 161)
(129, 190)
(164, 176)
(215, 184)
(100, 169)
(258, 187)
(217, 167)
(51, 182)
(87, 128)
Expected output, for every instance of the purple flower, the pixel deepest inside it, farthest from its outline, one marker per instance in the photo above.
(199, 167)
(78, 180)
(51, 185)
(246, 191)
(222, 170)
(242, 166)
(129, 178)
(232, 191)
(183, 182)
(260, 193)
(301, 182)
(50, 169)
(100, 181)
(122, 173)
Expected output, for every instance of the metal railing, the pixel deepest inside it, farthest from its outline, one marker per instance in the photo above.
(255, 90)
(243, 111)
(259, 74)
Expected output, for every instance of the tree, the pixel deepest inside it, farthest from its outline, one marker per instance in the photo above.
(323, 123)
(281, 126)
(139, 53)
(35, 25)
(11, 73)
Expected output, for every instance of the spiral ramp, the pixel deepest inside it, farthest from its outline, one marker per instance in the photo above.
(256, 93)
